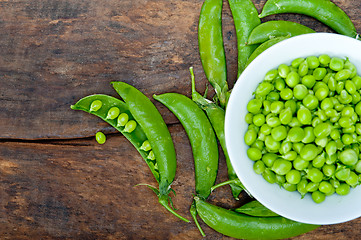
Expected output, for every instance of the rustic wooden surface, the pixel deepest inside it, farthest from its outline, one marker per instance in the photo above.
(55, 181)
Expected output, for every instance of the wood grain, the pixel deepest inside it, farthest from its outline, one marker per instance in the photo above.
(55, 181)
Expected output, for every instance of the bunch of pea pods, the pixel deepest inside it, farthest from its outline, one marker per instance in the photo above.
(140, 122)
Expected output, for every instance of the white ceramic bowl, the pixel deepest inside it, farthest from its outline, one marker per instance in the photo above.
(335, 209)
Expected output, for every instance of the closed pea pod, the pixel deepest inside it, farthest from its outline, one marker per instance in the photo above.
(272, 29)
(201, 136)
(245, 17)
(327, 13)
(211, 49)
(242, 226)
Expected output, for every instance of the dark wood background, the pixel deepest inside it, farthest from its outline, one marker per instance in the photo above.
(56, 182)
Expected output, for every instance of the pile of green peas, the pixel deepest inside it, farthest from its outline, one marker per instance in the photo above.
(304, 128)
(123, 122)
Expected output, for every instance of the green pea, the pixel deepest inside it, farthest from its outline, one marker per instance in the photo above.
(347, 139)
(340, 86)
(324, 59)
(309, 152)
(331, 113)
(296, 62)
(266, 107)
(315, 175)
(283, 70)
(318, 197)
(301, 187)
(292, 79)
(312, 62)
(309, 135)
(319, 73)
(296, 134)
(300, 164)
(95, 105)
(286, 94)
(300, 91)
(285, 147)
(356, 97)
(269, 176)
(151, 156)
(271, 74)
(264, 88)
(290, 156)
(113, 113)
(130, 126)
(279, 84)
(331, 148)
(350, 66)
(265, 129)
(309, 81)
(273, 121)
(259, 167)
(353, 179)
(304, 116)
(298, 146)
(250, 137)
(358, 109)
(358, 166)
(312, 187)
(322, 142)
(293, 176)
(350, 87)
(332, 83)
(343, 174)
(145, 146)
(303, 68)
(336, 64)
(259, 119)
(279, 133)
(281, 167)
(325, 187)
(277, 106)
(254, 106)
(319, 161)
(343, 75)
(123, 118)
(310, 102)
(348, 157)
(259, 143)
(322, 93)
(285, 116)
(357, 81)
(271, 143)
(269, 159)
(100, 137)
(280, 179)
(316, 121)
(273, 96)
(289, 187)
(343, 189)
(322, 130)
(292, 105)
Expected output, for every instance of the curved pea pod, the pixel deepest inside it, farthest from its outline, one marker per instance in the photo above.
(201, 136)
(157, 133)
(242, 226)
(323, 10)
(211, 49)
(261, 48)
(136, 137)
(272, 29)
(216, 116)
(245, 17)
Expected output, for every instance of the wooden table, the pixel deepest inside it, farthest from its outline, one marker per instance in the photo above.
(56, 182)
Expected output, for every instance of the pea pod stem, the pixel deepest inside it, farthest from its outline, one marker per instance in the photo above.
(245, 17)
(211, 49)
(242, 226)
(323, 10)
(216, 116)
(272, 29)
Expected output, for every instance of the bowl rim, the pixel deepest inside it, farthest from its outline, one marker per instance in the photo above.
(234, 105)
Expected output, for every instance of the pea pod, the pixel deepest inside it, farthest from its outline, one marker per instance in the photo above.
(323, 10)
(261, 48)
(245, 17)
(272, 29)
(201, 136)
(256, 209)
(242, 226)
(136, 137)
(211, 49)
(216, 116)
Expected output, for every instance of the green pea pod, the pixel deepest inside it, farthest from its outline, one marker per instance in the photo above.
(201, 136)
(211, 49)
(136, 137)
(323, 10)
(256, 209)
(273, 29)
(216, 116)
(242, 226)
(245, 17)
(261, 48)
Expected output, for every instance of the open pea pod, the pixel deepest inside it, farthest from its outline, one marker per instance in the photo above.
(137, 137)
(148, 133)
